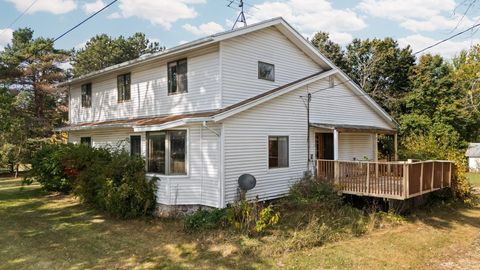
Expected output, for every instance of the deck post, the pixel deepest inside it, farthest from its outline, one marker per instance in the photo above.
(441, 184)
(433, 175)
(375, 147)
(450, 175)
(335, 144)
(421, 178)
(406, 180)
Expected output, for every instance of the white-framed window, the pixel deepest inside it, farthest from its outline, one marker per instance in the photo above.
(87, 95)
(177, 77)
(278, 152)
(123, 87)
(266, 71)
(167, 152)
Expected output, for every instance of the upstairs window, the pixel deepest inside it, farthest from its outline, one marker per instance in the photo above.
(277, 151)
(177, 77)
(86, 141)
(87, 95)
(266, 71)
(166, 152)
(123, 87)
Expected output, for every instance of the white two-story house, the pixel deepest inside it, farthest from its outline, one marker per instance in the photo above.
(206, 112)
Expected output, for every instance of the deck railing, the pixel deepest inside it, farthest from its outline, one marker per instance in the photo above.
(394, 180)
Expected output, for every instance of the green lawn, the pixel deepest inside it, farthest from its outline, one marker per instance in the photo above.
(474, 178)
(51, 231)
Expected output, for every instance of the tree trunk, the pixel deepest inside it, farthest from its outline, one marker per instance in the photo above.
(17, 166)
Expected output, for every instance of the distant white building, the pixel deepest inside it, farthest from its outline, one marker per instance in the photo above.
(206, 112)
(473, 155)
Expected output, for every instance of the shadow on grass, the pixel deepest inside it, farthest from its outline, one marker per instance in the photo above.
(445, 215)
(44, 231)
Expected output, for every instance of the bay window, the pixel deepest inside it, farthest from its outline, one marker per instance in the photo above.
(166, 152)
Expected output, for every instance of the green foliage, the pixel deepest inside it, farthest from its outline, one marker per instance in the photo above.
(93, 56)
(308, 190)
(251, 217)
(433, 147)
(206, 219)
(109, 179)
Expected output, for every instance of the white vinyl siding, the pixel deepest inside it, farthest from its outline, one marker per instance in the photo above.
(356, 146)
(246, 146)
(341, 105)
(240, 57)
(149, 93)
(201, 185)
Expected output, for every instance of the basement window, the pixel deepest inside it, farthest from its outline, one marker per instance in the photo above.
(166, 152)
(87, 95)
(86, 141)
(266, 71)
(177, 77)
(277, 152)
(123, 87)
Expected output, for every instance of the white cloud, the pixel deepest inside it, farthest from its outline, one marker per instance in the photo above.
(52, 6)
(158, 12)
(6, 36)
(447, 49)
(310, 16)
(204, 29)
(341, 38)
(417, 15)
(93, 7)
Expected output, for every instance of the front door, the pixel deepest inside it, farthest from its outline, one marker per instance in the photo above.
(324, 145)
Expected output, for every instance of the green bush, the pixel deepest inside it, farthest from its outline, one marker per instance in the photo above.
(251, 217)
(206, 219)
(109, 179)
(308, 190)
(48, 170)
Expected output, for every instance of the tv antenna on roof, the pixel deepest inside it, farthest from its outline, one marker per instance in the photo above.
(241, 16)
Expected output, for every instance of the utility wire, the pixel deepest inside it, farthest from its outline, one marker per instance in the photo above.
(19, 16)
(71, 29)
(447, 39)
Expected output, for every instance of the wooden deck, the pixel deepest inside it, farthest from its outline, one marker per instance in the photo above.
(392, 180)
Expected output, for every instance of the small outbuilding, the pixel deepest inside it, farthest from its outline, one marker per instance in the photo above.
(473, 155)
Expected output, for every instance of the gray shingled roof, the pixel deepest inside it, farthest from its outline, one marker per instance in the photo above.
(473, 150)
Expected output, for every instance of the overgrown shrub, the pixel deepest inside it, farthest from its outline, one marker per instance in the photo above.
(437, 147)
(206, 219)
(48, 168)
(251, 217)
(109, 179)
(308, 190)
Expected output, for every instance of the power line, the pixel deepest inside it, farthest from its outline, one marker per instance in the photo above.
(72, 28)
(19, 16)
(447, 39)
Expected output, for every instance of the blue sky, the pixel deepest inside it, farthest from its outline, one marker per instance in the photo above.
(415, 22)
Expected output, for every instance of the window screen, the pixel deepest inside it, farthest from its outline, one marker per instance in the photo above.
(266, 71)
(177, 77)
(123, 87)
(277, 151)
(87, 95)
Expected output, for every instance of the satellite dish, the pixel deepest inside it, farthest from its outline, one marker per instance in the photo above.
(246, 182)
